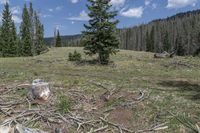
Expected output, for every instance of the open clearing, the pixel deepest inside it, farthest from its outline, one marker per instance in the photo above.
(171, 88)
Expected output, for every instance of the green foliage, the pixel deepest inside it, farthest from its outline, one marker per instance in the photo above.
(39, 45)
(100, 35)
(31, 38)
(64, 104)
(166, 43)
(150, 41)
(187, 122)
(25, 32)
(31, 33)
(74, 56)
(8, 35)
(179, 48)
(58, 40)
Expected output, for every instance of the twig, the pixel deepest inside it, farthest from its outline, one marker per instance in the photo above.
(99, 129)
(116, 125)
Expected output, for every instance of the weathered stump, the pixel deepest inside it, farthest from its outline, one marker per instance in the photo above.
(40, 90)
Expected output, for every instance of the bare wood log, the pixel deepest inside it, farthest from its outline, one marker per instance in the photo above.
(164, 55)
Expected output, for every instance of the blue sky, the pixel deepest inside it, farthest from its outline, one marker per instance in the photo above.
(70, 15)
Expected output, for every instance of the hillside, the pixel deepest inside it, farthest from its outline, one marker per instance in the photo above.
(70, 40)
(163, 91)
(178, 33)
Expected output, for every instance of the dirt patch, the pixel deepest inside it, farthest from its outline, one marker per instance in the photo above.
(122, 116)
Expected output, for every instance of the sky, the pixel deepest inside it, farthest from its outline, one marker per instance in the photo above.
(69, 15)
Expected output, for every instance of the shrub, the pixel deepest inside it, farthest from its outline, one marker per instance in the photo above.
(74, 56)
(64, 104)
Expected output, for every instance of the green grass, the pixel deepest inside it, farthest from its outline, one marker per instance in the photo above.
(173, 88)
(64, 105)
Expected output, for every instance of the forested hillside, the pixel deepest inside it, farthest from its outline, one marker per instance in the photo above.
(71, 40)
(180, 33)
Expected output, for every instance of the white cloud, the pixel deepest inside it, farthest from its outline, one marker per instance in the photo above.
(46, 15)
(16, 19)
(83, 16)
(74, 1)
(51, 10)
(4, 1)
(147, 2)
(180, 3)
(58, 8)
(132, 12)
(154, 6)
(117, 3)
(16, 10)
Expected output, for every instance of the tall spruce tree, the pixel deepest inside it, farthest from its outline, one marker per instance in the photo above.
(25, 33)
(179, 46)
(39, 43)
(58, 39)
(0, 43)
(100, 35)
(9, 35)
(150, 41)
(166, 43)
(32, 29)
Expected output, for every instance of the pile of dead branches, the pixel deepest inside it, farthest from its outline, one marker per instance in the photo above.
(88, 113)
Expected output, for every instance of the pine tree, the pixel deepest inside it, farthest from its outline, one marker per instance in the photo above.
(0, 42)
(32, 29)
(151, 47)
(100, 37)
(8, 36)
(148, 45)
(39, 35)
(25, 33)
(166, 43)
(14, 38)
(58, 40)
(179, 47)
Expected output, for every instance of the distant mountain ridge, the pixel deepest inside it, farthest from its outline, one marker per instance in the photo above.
(68, 40)
(180, 33)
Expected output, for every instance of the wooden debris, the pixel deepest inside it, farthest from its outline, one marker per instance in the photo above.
(20, 114)
(164, 55)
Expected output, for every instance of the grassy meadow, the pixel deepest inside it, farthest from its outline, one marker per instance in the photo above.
(173, 84)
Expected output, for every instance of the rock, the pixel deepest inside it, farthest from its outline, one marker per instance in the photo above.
(40, 90)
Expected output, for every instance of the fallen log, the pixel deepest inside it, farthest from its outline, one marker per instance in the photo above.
(164, 55)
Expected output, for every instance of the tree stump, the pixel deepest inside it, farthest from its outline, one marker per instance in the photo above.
(40, 90)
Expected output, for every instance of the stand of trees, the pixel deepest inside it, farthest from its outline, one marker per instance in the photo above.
(30, 40)
(179, 33)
